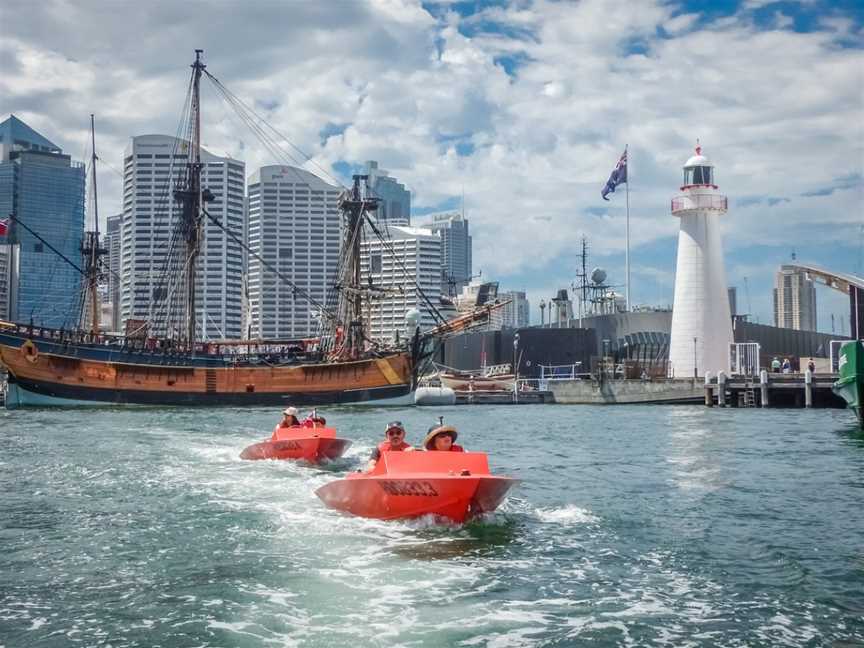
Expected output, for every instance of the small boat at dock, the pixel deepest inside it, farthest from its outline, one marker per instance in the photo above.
(456, 486)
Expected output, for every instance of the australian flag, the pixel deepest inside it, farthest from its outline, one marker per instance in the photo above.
(619, 175)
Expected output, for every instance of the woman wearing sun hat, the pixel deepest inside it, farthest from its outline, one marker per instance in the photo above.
(441, 438)
(289, 418)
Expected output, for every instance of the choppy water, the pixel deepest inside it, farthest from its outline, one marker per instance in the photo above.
(676, 526)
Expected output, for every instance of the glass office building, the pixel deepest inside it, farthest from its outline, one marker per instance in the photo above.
(45, 190)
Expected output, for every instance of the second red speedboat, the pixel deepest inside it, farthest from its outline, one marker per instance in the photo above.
(312, 444)
(452, 485)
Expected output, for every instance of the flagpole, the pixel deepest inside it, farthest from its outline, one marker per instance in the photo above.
(627, 253)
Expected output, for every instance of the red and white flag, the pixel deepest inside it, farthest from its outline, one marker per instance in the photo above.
(4, 226)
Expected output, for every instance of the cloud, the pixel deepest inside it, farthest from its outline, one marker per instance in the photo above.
(526, 104)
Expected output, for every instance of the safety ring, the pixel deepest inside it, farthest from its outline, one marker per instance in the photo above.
(29, 350)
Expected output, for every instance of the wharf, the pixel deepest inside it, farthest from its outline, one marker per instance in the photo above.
(773, 390)
(503, 397)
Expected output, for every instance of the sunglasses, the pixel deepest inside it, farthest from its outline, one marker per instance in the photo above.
(395, 432)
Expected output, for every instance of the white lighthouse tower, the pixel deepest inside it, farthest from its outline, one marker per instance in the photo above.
(701, 320)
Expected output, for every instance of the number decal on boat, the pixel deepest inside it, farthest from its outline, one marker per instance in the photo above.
(286, 445)
(408, 487)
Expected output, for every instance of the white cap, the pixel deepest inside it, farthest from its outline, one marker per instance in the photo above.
(290, 411)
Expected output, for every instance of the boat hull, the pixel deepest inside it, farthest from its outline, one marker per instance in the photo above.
(454, 486)
(850, 385)
(69, 375)
(310, 449)
(461, 384)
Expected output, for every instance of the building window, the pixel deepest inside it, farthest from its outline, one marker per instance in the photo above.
(37, 247)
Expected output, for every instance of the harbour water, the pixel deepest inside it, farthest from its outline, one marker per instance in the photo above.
(638, 525)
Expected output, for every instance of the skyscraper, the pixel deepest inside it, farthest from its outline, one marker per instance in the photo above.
(44, 189)
(515, 313)
(794, 299)
(415, 261)
(294, 223)
(152, 165)
(112, 244)
(456, 261)
(395, 205)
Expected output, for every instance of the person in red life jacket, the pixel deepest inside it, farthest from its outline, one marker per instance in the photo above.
(314, 420)
(442, 438)
(395, 434)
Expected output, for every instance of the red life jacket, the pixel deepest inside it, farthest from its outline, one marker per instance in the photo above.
(385, 445)
(456, 448)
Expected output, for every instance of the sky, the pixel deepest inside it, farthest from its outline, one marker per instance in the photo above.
(524, 105)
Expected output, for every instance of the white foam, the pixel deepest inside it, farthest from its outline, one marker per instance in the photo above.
(570, 514)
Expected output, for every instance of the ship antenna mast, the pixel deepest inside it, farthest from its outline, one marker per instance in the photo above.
(91, 250)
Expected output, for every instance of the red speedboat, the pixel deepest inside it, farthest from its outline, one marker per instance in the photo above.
(453, 485)
(312, 444)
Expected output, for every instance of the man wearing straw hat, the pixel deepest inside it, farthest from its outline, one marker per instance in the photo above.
(441, 438)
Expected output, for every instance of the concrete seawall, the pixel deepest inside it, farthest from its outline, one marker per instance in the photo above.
(671, 390)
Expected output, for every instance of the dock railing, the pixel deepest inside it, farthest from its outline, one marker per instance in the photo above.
(744, 358)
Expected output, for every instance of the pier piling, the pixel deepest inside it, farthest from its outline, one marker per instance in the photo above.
(709, 399)
(808, 389)
(763, 388)
(721, 389)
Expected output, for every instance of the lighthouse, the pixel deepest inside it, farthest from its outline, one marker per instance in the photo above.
(701, 321)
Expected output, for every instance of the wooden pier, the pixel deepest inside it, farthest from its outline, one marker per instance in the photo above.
(772, 390)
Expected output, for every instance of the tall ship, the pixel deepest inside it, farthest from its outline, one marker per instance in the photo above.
(163, 361)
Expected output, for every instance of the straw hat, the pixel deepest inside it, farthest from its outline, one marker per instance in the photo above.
(290, 411)
(435, 430)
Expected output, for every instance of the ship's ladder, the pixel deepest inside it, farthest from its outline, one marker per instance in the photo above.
(748, 395)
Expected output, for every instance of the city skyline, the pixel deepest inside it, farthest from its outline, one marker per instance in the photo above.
(526, 104)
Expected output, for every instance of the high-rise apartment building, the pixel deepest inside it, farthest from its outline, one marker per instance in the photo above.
(415, 261)
(294, 222)
(395, 205)
(112, 263)
(152, 165)
(44, 189)
(514, 314)
(456, 262)
(794, 299)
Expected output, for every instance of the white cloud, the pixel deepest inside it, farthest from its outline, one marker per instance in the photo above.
(779, 112)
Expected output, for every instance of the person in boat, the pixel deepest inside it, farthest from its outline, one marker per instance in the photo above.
(395, 433)
(314, 420)
(289, 418)
(442, 438)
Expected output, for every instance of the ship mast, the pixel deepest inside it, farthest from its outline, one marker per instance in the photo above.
(355, 203)
(192, 197)
(91, 250)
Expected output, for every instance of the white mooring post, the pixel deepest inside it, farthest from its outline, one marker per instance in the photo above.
(808, 389)
(709, 399)
(721, 388)
(763, 387)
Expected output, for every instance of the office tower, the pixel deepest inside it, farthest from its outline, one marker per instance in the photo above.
(455, 250)
(5, 271)
(794, 299)
(294, 221)
(733, 300)
(515, 313)
(415, 260)
(395, 205)
(148, 280)
(45, 190)
(112, 264)
(701, 321)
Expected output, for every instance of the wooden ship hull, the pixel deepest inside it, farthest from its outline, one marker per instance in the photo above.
(43, 371)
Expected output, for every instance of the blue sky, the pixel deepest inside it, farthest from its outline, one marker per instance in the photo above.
(526, 104)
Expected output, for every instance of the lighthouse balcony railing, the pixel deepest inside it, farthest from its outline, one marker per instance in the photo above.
(699, 201)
